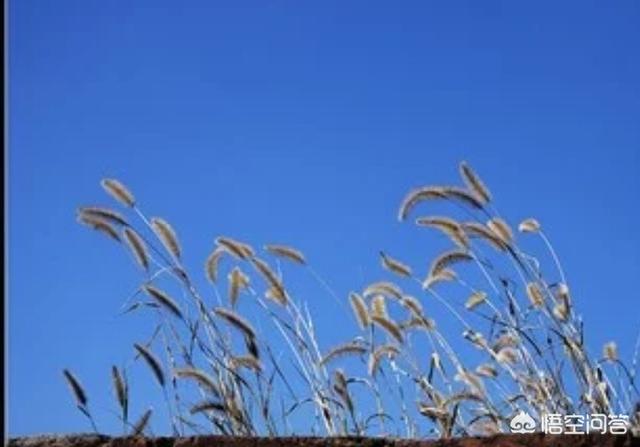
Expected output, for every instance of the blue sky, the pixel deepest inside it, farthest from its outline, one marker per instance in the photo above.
(304, 123)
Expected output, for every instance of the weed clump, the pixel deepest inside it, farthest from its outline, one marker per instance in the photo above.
(399, 374)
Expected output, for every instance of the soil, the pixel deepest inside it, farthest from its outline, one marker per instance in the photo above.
(533, 440)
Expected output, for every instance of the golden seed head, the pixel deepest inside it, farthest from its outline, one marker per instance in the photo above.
(389, 326)
(386, 350)
(351, 348)
(120, 388)
(507, 355)
(529, 226)
(152, 361)
(414, 306)
(561, 311)
(212, 263)
(360, 310)
(76, 388)
(98, 212)
(203, 379)
(237, 282)
(236, 321)
(395, 266)
(163, 299)
(442, 276)
(475, 300)
(448, 226)
(385, 288)
(167, 235)
(501, 229)
(118, 191)
(286, 252)
(276, 290)
(238, 249)
(379, 306)
(535, 295)
(562, 294)
(474, 183)
(610, 351)
(448, 259)
(100, 225)
(478, 230)
(137, 246)
(416, 196)
(487, 370)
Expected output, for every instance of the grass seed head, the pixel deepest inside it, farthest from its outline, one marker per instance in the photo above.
(246, 361)
(501, 229)
(385, 288)
(610, 351)
(360, 310)
(395, 266)
(120, 388)
(448, 226)
(447, 259)
(478, 230)
(487, 370)
(389, 326)
(276, 288)
(76, 388)
(462, 196)
(416, 196)
(118, 191)
(152, 361)
(444, 275)
(382, 351)
(237, 282)
(141, 424)
(207, 406)
(561, 312)
(379, 307)
(167, 236)
(508, 356)
(238, 249)
(475, 300)
(212, 263)
(474, 183)
(535, 295)
(100, 225)
(201, 377)
(414, 306)
(102, 213)
(529, 226)
(286, 252)
(137, 247)
(350, 348)
(163, 299)
(236, 321)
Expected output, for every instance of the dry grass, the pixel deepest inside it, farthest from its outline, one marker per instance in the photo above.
(254, 363)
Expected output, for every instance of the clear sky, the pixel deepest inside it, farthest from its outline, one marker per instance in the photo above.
(304, 123)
